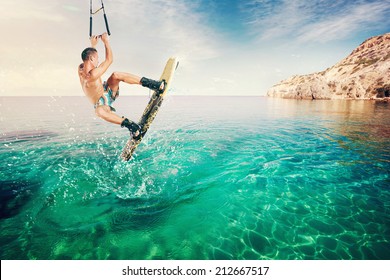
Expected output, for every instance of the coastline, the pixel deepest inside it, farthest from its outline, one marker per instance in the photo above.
(382, 99)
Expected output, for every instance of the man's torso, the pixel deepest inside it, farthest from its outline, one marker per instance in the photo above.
(93, 89)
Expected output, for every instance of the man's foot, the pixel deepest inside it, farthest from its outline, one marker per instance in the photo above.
(158, 86)
(134, 128)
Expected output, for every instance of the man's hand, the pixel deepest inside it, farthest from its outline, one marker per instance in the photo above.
(94, 40)
(97, 72)
(104, 37)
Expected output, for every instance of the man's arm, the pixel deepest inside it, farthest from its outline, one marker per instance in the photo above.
(94, 40)
(102, 68)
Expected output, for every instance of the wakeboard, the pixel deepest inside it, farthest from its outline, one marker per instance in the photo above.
(151, 109)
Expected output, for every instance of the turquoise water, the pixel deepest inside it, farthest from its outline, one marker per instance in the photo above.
(215, 178)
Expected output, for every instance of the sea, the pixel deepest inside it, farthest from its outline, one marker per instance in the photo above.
(215, 178)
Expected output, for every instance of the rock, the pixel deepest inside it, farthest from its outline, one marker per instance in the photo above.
(364, 74)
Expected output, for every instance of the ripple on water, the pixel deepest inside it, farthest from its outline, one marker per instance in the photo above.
(301, 181)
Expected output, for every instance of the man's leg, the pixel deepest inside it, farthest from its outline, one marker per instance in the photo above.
(117, 77)
(106, 114)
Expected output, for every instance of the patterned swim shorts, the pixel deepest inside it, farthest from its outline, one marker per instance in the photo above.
(108, 97)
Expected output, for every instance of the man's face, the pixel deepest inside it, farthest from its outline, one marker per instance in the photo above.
(95, 59)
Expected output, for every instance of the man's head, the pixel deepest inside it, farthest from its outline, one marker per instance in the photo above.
(90, 54)
(87, 53)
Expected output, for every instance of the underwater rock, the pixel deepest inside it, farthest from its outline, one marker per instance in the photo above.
(14, 195)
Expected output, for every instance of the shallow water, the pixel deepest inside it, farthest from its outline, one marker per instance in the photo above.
(215, 178)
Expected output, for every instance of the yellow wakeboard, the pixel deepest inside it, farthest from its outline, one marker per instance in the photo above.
(151, 109)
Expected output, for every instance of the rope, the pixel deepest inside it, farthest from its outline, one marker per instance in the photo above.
(93, 13)
(97, 11)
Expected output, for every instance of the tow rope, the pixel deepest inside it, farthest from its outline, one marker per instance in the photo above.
(91, 14)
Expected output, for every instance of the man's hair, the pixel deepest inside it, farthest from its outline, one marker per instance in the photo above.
(87, 53)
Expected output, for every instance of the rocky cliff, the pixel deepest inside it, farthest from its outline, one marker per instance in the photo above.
(364, 74)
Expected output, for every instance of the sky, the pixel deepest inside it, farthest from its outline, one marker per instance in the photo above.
(229, 47)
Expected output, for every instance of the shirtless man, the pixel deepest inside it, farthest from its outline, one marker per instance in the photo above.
(102, 95)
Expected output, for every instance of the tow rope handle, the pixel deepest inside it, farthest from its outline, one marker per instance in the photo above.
(90, 18)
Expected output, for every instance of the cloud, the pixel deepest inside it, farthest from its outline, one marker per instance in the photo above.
(46, 37)
(359, 17)
(317, 20)
(273, 19)
(29, 10)
(172, 25)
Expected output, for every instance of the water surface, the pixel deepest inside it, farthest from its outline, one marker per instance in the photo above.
(215, 178)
